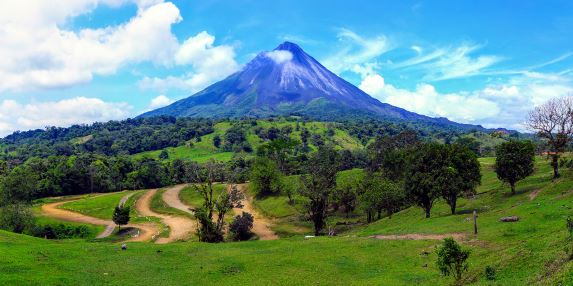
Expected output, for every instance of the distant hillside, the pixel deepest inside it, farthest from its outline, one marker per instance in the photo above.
(288, 81)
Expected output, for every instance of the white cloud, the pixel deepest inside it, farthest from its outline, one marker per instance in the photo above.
(159, 101)
(279, 56)
(16, 116)
(36, 52)
(210, 63)
(358, 50)
(450, 62)
(492, 106)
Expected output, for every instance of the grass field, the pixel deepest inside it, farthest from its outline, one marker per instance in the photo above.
(100, 205)
(531, 251)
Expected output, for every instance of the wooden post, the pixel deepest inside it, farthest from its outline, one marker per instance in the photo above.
(475, 223)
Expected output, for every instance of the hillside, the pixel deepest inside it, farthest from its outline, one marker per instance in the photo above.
(530, 251)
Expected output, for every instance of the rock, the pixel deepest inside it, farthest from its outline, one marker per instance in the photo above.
(509, 219)
(124, 246)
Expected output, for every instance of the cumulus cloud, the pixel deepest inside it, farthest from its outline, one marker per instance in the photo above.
(36, 52)
(279, 56)
(159, 101)
(209, 64)
(492, 106)
(16, 116)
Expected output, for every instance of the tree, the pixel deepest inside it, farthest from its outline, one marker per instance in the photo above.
(381, 194)
(121, 215)
(318, 184)
(217, 141)
(241, 227)
(452, 259)
(163, 155)
(266, 179)
(514, 161)
(346, 194)
(460, 174)
(424, 166)
(16, 217)
(553, 121)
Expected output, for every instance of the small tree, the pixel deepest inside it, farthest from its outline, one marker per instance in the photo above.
(241, 227)
(266, 179)
(514, 161)
(452, 259)
(380, 194)
(217, 141)
(121, 215)
(318, 185)
(163, 155)
(16, 218)
(553, 121)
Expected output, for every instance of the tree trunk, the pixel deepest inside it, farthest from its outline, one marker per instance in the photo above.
(453, 205)
(512, 188)
(427, 211)
(555, 165)
(379, 213)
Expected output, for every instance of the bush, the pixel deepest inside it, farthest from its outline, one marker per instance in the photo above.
(241, 227)
(60, 231)
(490, 273)
(16, 218)
(266, 178)
(452, 259)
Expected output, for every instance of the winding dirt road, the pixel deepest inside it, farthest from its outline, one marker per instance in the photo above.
(261, 225)
(171, 198)
(146, 231)
(180, 228)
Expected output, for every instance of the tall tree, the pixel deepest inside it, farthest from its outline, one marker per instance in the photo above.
(121, 215)
(460, 174)
(266, 179)
(514, 161)
(553, 121)
(318, 184)
(423, 170)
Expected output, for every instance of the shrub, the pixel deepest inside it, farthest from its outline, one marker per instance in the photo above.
(452, 259)
(241, 227)
(16, 218)
(60, 231)
(490, 273)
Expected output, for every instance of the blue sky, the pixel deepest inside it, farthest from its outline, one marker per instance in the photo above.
(480, 62)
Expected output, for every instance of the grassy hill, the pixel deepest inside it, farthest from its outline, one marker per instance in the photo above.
(531, 251)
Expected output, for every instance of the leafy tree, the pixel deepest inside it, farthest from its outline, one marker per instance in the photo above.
(460, 174)
(16, 217)
(163, 155)
(266, 179)
(217, 141)
(452, 259)
(121, 215)
(553, 121)
(469, 142)
(514, 161)
(346, 194)
(424, 167)
(241, 227)
(381, 194)
(318, 184)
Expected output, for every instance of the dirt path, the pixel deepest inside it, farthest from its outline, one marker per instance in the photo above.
(420, 236)
(180, 228)
(146, 231)
(171, 198)
(261, 225)
(533, 195)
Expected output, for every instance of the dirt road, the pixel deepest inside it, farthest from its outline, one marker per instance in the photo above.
(146, 231)
(180, 227)
(171, 198)
(261, 225)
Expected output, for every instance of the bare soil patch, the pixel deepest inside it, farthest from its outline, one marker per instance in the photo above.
(261, 225)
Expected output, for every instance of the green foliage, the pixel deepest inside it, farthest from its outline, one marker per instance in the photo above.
(241, 227)
(163, 155)
(16, 217)
(452, 259)
(490, 273)
(318, 184)
(61, 231)
(514, 161)
(265, 177)
(121, 215)
(460, 174)
(380, 194)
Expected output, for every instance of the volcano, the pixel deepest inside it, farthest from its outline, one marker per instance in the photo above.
(288, 81)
